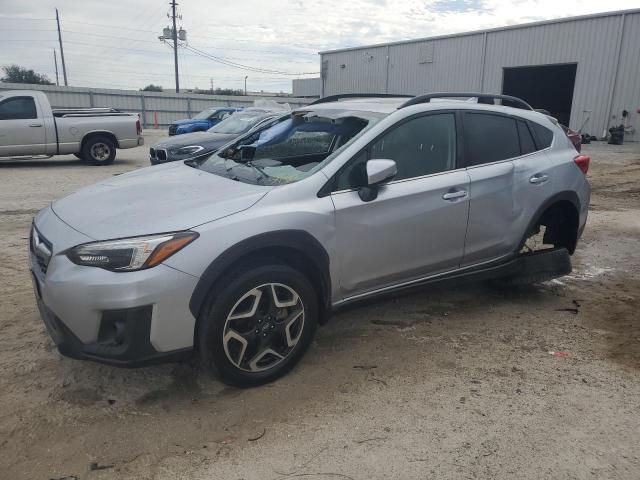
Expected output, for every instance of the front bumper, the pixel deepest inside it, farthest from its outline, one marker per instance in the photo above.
(127, 319)
(123, 339)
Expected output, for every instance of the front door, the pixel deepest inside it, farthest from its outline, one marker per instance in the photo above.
(21, 131)
(416, 226)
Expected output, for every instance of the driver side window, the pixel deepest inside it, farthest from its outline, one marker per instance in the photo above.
(18, 108)
(421, 146)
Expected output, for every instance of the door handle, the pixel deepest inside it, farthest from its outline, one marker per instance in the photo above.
(454, 195)
(35, 124)
(539, 178)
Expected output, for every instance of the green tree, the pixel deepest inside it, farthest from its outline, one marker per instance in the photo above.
(17, 74)
(151, 88)
(220, 91)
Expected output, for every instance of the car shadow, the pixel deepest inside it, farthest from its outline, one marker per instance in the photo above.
(63, 162)
(40, 162)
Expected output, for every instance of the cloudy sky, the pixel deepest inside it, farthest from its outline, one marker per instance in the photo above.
(114, 44)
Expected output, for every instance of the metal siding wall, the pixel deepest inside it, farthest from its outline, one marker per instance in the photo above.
(590, 43)
(456, 65)
(365, 71)
(627, 88)
(166, 106)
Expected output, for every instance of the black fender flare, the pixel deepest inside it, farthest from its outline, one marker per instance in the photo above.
(568, 196)
(302, 242)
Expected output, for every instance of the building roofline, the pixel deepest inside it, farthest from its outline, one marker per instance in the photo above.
(489, 30)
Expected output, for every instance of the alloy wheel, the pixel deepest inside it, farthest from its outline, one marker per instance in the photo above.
(263, 327)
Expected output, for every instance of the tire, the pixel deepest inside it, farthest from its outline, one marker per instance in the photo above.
(98, 150)
(244, 337)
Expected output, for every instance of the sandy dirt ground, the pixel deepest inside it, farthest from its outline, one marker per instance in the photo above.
(441, 383)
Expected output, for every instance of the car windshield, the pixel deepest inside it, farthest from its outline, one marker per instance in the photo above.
(292, 149)
(204, 114)
(237, 124)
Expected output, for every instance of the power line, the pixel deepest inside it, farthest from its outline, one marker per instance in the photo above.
(16, 17)
(244, 67)
(118, 62)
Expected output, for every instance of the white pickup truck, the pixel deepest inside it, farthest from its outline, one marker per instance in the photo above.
(30, 127)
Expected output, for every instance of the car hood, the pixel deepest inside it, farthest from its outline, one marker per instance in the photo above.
(160, 199)
(203, 139)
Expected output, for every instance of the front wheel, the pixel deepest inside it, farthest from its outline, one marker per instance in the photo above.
(258, 325)
(99, 150)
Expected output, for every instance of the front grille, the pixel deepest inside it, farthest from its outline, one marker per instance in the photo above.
(152, 153)
(172, 129)
(41, 249)
(161, 155)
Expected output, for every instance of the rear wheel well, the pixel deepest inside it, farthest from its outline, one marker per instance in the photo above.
(288, 256)
(91, 135)
(561, 221)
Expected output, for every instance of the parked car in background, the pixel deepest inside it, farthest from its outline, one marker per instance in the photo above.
(202, 121)
(199, 144)
(30, 127)
(242, 254)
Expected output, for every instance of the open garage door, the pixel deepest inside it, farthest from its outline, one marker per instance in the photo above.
(548, 86)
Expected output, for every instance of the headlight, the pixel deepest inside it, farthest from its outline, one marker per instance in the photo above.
(190, 150)
(130, 254)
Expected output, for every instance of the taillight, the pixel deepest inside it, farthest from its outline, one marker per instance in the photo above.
(582, 161)
(138, 127)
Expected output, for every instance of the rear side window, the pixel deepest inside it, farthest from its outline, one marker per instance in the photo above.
(490, 138)
(543, 135)
(18, 108)
(527, 145)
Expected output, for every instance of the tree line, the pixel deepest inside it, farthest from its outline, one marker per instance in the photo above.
(17, 74)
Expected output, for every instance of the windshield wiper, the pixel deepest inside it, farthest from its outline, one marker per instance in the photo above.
(258, 169)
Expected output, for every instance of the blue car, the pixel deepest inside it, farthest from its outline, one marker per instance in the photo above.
(202, 121)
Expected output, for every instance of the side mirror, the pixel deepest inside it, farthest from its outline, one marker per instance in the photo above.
(378, 172)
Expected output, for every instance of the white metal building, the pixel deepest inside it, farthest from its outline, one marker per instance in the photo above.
(584, 70)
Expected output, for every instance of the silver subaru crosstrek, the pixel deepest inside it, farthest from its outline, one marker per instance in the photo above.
(240, 255)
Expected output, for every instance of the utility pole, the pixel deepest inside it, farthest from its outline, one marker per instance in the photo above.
(175, 43)
(64, 67)
(55, 62)
(211, 85)
(245, 84)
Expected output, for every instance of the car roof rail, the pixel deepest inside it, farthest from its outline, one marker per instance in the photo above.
(518, 102)
(341, 96)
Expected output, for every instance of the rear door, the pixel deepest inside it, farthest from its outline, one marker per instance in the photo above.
(509, 174)
(416, 226)
(21, 131)
(534, 173)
